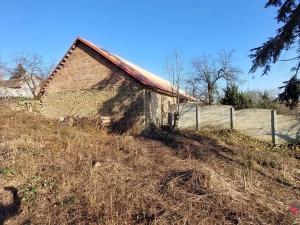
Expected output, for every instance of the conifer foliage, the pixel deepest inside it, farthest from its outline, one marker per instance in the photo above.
(286, 38)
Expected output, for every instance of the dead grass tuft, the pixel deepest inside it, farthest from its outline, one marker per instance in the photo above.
(189, 180)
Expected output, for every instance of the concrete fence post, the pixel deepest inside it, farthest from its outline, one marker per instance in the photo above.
(197, 118)
(274, 126)
(231, 118)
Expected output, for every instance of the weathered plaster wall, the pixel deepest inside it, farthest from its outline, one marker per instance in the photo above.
(288, 129)
(253, 122)
(15, 92)
(257, 123)
(214, 116)
(23, 91)
(157, 107)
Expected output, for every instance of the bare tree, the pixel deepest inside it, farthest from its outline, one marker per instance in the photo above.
(192, 86)
(174, 67)
(18, 72)
(31, 68)
(2, 70)
(208, 73)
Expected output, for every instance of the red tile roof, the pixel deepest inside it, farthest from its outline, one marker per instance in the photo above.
(143, 76)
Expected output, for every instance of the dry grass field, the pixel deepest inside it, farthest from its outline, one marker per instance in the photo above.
(54, 173)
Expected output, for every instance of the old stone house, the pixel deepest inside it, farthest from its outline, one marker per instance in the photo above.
(90, 81)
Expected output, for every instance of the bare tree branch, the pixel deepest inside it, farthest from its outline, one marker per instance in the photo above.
(174, 67)
(208, 71)
(287, 60)
(35, 70)
(2, 69)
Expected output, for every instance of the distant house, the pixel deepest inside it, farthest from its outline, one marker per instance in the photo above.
(90, 81)
(23, 87)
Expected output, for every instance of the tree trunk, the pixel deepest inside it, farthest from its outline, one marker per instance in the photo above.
(193, 90)
(176, 114)
(210, 94)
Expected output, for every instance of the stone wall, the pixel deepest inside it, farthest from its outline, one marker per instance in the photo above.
(79, 103)
(90, 103)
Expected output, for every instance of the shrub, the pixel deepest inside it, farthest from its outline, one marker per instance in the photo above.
(266, 101)
(239, 100)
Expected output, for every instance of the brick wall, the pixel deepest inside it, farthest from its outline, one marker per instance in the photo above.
(88, 85)
(84, 69)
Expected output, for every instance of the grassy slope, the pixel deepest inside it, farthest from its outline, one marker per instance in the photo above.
(82, 175)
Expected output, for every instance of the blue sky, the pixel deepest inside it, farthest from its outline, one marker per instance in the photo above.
(143, 31)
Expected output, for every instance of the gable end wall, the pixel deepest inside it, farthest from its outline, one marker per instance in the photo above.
(84, 69)
(89, 85)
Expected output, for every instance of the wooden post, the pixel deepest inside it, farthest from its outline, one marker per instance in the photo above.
(170, 120)
(147, 110)
(231, 118)
(197, 118)
(274, 126)
(161, 111)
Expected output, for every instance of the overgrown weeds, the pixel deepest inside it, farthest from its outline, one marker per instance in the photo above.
(80, 174)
